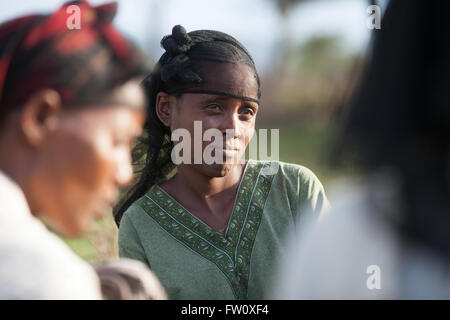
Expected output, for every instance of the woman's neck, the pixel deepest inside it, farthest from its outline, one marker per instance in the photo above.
(211, 199)
(200, 192)
(205, 186)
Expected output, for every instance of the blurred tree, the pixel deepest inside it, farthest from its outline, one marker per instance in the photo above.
(314, 75)
(286, 5)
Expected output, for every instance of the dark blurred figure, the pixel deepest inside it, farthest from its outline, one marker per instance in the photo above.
(70, 107)
(388, 235)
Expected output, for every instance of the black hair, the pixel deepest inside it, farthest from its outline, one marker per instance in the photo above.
(177, 71)
(400, 117)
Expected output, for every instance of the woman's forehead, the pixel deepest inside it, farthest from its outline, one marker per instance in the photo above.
(237, 79)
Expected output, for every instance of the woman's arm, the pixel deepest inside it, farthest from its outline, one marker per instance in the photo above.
(129, 242)
(312, 198)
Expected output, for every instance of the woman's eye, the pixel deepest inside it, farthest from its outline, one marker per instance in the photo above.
(213, 107)
(248, 111)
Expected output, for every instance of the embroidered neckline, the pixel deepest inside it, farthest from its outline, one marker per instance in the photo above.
(225, 233)
(231, 252)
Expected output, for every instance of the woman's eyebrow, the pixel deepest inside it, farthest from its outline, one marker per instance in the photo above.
(251, 104)
(219, 98)
(215, 98)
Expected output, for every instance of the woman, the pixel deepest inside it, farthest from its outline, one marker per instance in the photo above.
(69, 108)
(211, 231)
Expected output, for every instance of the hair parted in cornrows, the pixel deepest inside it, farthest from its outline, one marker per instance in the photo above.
(175, 73)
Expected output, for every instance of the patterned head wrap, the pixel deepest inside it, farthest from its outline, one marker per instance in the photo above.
(40, 51)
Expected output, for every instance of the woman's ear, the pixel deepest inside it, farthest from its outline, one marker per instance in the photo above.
(165, 105)
(39, 115)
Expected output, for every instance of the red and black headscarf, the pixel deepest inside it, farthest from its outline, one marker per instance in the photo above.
(39, 51)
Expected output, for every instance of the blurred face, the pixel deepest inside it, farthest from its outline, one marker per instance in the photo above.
(82, 163)
(221, 112)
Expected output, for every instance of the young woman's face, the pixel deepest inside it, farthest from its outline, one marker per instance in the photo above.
(83, 163)
(221, 112)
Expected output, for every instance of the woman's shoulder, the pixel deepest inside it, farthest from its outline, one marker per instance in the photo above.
(300, 185)
(54, 266)
(137, 210)
(142, 209)
(287, 171)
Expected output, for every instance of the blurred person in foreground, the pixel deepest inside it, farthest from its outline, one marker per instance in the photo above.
(388, 235)
(70, 107)
(127, 279)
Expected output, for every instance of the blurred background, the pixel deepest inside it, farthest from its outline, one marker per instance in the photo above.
(309, 54)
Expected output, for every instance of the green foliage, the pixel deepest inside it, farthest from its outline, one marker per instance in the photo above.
(309, 83)
(99, 244)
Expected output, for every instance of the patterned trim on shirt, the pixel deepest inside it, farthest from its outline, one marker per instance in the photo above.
(231, 252)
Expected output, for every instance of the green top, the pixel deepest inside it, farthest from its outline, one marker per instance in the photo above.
(193, 261)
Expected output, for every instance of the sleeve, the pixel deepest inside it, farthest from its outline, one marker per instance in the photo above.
(56, 272)
(312, 199)
(130, 245)
(307, 200)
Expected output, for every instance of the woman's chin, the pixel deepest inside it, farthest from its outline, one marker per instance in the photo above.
(82, 223)
(218, 170)
(72, 229)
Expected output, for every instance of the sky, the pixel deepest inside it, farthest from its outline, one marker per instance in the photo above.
(255, 23)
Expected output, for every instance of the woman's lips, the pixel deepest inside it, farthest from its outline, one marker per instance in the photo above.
(229, 154)
(234, 147)
(227, 150)
(230, 151)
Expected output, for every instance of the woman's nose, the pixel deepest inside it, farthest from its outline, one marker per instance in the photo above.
(124, 172)
(231, 124)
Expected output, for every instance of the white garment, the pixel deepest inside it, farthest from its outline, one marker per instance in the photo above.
(34, 263)
(355, 254)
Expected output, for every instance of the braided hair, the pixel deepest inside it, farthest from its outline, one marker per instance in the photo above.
(176, 72)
